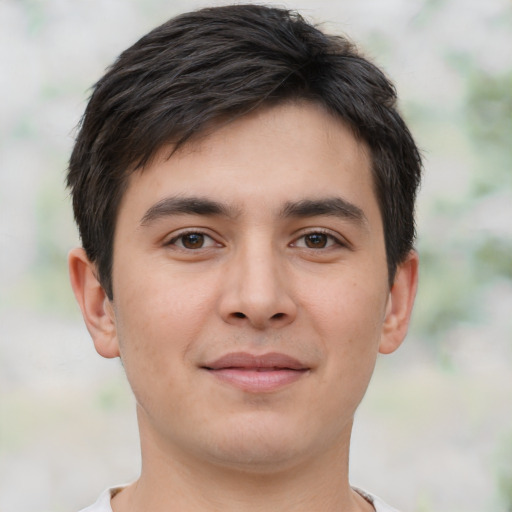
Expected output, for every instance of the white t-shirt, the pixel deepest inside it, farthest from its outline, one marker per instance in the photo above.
(103, 503)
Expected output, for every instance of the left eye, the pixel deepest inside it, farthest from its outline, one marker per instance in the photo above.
(316, 240)
(193, 240)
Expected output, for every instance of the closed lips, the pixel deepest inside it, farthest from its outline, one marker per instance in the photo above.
(257, 373)
(266, 362)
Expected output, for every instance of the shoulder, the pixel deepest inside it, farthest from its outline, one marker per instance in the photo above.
(103, 502)
(377, 503)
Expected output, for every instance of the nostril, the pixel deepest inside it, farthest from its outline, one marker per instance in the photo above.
(239, 314)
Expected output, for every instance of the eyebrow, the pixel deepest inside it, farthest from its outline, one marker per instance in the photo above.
(331, 206)
(177, 205)
(187, 206)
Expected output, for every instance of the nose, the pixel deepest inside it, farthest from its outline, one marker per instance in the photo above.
(256, 291)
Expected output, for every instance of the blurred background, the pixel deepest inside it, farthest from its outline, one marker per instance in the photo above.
(434, 432)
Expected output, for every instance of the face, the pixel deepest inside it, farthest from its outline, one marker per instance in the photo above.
(250, 290)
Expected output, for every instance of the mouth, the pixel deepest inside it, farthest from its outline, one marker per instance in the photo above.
(257, 373)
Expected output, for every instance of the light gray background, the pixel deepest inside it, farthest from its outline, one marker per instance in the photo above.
(435, 430)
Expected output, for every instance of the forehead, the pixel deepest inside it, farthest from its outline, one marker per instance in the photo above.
(277, 154)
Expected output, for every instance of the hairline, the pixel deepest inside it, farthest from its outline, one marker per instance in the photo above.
(167, 150)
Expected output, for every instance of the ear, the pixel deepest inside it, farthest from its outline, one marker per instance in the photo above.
(400, 303)
(97, 309)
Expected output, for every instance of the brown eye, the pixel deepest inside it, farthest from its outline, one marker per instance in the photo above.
(316, 240)
(192, 240)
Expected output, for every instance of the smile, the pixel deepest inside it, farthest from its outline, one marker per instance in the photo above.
(257, 373)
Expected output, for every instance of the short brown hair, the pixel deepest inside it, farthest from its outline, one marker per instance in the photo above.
(221, 63)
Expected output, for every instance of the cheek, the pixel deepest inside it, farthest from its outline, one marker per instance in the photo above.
(165, 299)
(157, 321)
(349, 320)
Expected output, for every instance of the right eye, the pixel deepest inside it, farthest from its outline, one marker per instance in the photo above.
(193, 240)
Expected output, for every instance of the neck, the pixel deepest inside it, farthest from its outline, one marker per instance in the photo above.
(172, 480)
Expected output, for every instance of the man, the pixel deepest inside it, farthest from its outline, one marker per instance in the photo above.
(244, 189)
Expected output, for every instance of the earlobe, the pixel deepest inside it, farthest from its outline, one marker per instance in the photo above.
(400, 303)
(97, 309)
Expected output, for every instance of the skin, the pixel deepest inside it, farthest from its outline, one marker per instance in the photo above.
(290, 259)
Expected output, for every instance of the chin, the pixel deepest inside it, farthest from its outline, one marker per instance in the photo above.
(261, 445)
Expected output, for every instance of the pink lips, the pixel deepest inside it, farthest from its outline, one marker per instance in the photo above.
(257, 373)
